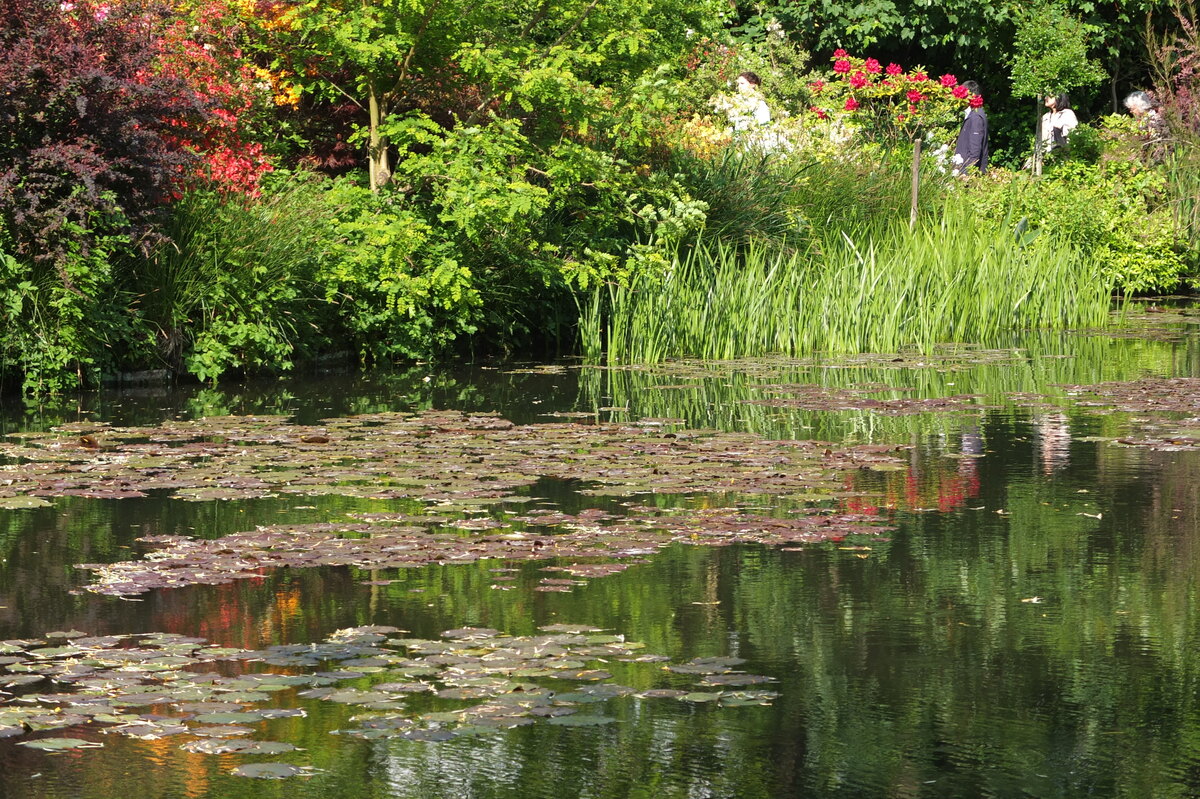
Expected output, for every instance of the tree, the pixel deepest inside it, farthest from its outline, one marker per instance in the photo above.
(465, 62)
(1051, 57)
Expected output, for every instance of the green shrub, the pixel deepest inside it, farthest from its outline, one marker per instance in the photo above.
(1113, 211)
(63, 322)
(231, 288)
(400, 289)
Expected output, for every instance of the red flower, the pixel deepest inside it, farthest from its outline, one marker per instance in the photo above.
(817, 85)
(820, 112)
(894, 69)
(858, 80)
(976, 100)
(872, 66)
(918, 77)
(949, 80)
(840, 53)
(901, 116)
(914, 96)
(960, 92)
(841, 65)
(851, 104)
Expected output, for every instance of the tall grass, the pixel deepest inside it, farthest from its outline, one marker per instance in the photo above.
(954, 279)
(1183, 194)
(231, 285)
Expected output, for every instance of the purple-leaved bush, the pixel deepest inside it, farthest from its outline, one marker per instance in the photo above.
(88, 126)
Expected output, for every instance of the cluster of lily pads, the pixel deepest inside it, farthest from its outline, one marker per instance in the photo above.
(1168, 397)
(470, 681)
(452, 463)
(590, 545)
(807, 396)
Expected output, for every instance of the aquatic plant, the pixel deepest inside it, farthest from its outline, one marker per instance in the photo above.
(953, 280)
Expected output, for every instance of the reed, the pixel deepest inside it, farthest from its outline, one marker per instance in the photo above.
(955, 279)
(1182, 170)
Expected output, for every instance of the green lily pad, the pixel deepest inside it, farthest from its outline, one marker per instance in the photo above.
(580, 720)
(700, 696)
(267, 771)
(20, 502)
(60, 744)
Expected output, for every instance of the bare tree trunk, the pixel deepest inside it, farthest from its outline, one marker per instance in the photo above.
(916, 180)
(377, 144)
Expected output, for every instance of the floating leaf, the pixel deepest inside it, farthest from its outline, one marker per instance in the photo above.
(60, 744)
(267, 771)
(700, 696)
(580, 720)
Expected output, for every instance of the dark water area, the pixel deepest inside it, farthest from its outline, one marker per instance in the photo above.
(1031, 628)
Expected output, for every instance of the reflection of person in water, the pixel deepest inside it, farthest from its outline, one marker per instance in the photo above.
(1052, 434)
(968, 464)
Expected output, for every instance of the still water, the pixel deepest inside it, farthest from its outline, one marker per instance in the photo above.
(1031, 628)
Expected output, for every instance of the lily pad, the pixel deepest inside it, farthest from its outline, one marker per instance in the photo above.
(267, 771)
(60, 744)
(580, 720)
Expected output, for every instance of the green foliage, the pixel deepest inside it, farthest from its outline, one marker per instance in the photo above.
(761, 47)
(59, 323)
(399, 290)
(956, 278)
(1050, 52)
(232, 289)
(1112, 211)
(1086, 144)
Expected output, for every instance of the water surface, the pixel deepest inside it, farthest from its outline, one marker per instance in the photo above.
(1029, 630)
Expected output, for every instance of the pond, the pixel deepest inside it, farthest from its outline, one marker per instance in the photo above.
(977, 576)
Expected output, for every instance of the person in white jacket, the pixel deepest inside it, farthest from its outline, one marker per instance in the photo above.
(1058, 121)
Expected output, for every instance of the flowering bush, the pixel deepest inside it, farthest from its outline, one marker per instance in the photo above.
(887, 103)
(202, 48)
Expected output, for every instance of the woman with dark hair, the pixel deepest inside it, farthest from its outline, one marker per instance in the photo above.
(1058, 121)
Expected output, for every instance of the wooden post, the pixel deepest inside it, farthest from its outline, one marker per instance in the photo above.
(1038, 144)
(916, 180)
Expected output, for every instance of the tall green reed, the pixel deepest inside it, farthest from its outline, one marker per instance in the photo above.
(230, 287)
(950, 279)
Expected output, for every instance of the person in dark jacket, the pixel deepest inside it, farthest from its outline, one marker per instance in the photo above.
(971, 150)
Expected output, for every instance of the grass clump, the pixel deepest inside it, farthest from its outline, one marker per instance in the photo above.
(949, 279)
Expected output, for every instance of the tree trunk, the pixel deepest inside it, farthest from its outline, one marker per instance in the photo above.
(1038, 144)
(916, 180)
(377, 144)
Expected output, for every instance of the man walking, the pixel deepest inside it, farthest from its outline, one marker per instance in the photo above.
(971, 150)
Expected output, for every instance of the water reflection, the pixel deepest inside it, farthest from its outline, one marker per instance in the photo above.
(1030, 629)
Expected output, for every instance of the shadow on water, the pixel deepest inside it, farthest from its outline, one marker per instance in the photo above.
(1029, 629)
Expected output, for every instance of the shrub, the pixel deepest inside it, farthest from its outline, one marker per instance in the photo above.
(400, 290)
(1113, 212)
(88, 125)
(232, 287)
